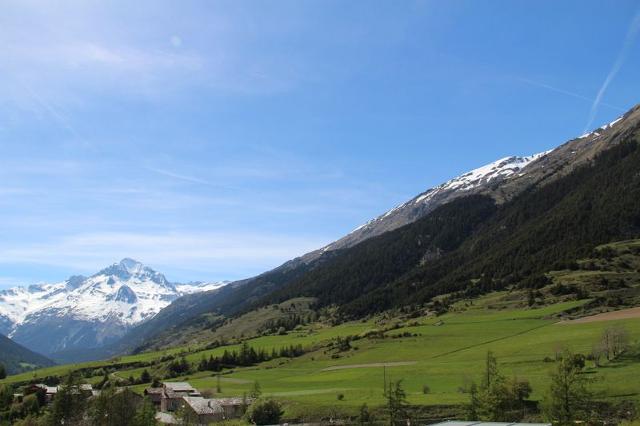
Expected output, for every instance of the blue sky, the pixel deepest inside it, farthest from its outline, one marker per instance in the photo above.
(216, 139)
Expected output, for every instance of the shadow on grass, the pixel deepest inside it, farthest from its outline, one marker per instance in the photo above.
(629, 357)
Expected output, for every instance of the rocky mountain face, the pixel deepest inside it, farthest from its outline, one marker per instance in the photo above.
(88, 312)
(501, 180)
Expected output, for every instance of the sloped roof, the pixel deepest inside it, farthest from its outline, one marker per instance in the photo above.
(232, 401)
(179, 386)
(202, 405)
(48, 389)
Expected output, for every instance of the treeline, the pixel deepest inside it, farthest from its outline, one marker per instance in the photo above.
(286, 323)
(247, 356)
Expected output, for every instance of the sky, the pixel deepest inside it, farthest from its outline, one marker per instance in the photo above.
(214, 140)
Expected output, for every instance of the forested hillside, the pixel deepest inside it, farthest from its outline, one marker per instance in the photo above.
(578, 196)
(542, 229)
(17, 358)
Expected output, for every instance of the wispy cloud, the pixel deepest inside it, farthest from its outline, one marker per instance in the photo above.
(566, 92)
(59, 116)
(178, 176)
(629, 39)
(224, 252)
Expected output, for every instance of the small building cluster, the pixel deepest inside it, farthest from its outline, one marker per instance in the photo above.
(50, 392)
(174, 396)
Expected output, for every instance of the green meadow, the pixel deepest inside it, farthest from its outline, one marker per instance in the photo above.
(444, 353)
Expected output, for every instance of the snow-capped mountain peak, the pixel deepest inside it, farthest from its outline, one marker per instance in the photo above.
(129, 269)
(91, 310)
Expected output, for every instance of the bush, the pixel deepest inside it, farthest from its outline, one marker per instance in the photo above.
(340, 397)
(426, 389)
(266, 412)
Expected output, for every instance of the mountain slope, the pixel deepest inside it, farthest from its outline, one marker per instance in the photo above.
(88, 312)
(501, 181)
(544, 228)
(16, 358)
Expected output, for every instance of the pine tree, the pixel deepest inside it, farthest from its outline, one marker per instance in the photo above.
(256, 392)
(568, 397)
(69, 404)
(396, 403)
(146, 414)
(365, 417)
(6, 397)
(145, 377)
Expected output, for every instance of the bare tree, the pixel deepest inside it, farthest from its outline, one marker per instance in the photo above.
(614, 341)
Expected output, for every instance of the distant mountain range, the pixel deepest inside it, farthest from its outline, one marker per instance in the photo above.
(88, 312)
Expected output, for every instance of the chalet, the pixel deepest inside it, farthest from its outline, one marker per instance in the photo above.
(172, 394)
(205, 411)
(87, 389)
(49, 391)
(233, 407)
(154, 395)
(202, 410)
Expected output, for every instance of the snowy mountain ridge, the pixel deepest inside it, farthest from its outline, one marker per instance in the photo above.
(116, 299)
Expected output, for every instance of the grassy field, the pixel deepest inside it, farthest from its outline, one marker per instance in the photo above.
(444, 353)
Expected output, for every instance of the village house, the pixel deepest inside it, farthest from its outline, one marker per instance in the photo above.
(49, 391)
(172, 394)
(154, 395)
(205, 410)
(202, 410)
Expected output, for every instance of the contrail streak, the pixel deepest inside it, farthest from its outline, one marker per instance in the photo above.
(568, 93)
(59, 117)
(622, 56)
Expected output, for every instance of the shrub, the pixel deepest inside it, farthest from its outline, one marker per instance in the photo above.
(266, 412)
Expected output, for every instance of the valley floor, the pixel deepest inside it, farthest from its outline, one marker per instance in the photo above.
(444, 353)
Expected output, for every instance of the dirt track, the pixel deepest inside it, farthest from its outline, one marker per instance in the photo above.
(373, 364)
(607, 316)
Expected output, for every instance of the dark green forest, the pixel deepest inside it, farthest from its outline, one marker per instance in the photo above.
(473, 246)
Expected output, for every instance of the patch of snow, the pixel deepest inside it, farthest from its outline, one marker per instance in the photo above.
(501, 169)
(605, 127)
